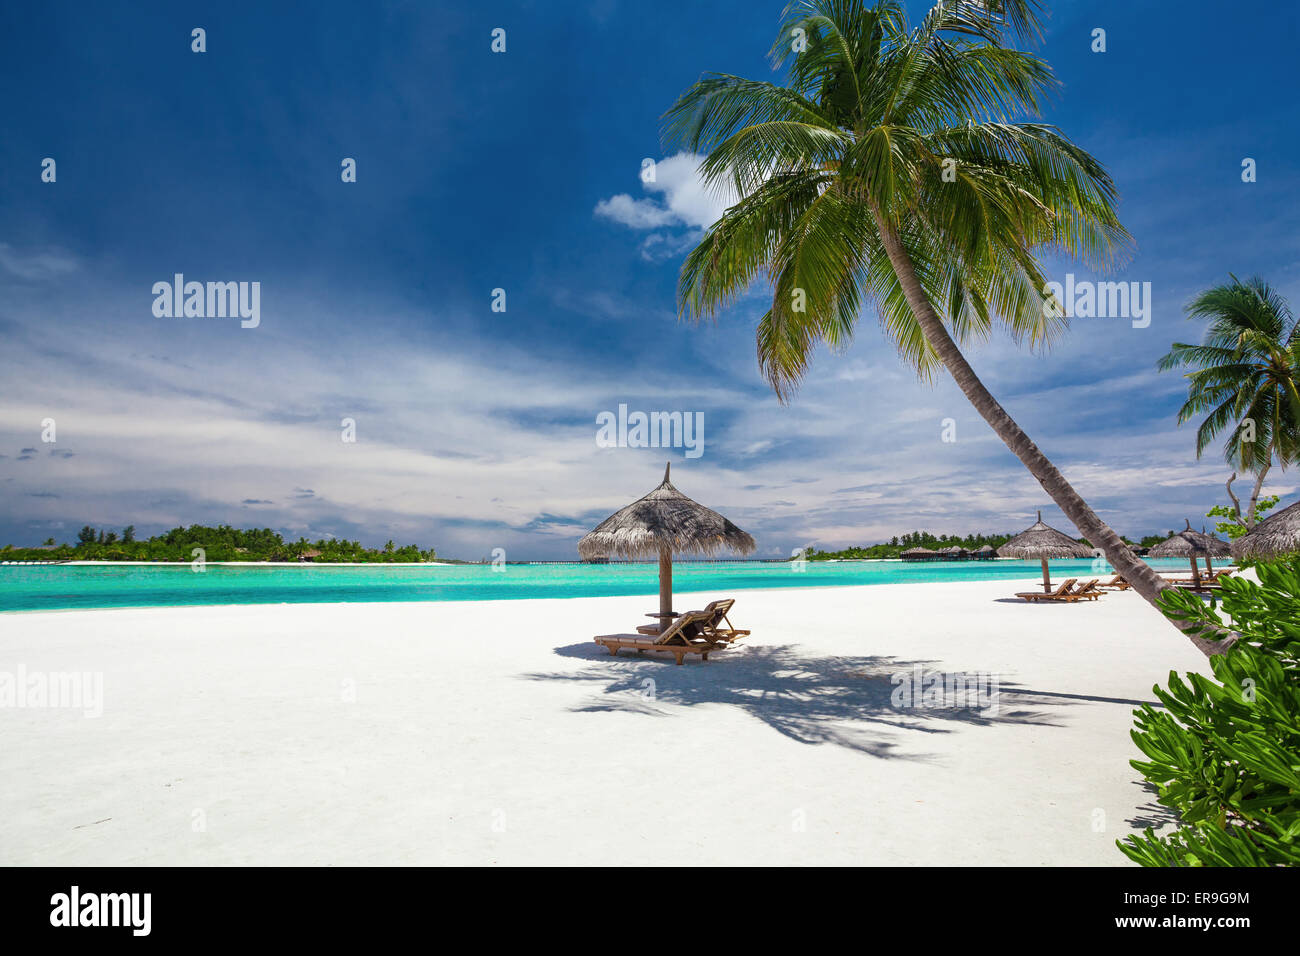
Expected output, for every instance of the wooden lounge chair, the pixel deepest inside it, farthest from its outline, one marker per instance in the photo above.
(1088, 592)
(681, 638)
(1060, 594)
(709, 627)
(1207, 580)
(1116, 583)
(1084, 592)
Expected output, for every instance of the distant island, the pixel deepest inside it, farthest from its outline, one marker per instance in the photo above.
(924, 539)
(222, 543)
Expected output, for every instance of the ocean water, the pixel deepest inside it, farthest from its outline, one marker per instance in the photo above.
(57, 586)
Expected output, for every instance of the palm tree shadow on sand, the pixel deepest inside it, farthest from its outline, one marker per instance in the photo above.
(845, 701)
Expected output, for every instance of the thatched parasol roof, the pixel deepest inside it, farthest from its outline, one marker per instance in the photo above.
(1276, 535)
(1040, 540)
(1217, 546)
(1189, 543)
(663, 519)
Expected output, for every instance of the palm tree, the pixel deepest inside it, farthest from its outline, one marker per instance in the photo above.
(1245, 376)
(891, 168)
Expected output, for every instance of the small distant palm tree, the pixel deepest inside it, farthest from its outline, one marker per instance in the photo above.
(1245, 376)
(891, 169)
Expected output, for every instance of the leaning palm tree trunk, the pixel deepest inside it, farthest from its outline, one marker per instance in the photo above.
(1137, 572)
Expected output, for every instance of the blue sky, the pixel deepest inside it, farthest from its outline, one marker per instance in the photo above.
(520, 170)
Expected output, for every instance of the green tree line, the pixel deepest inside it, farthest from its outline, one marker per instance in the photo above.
(916, 539)
(222, 543)
(924, 539)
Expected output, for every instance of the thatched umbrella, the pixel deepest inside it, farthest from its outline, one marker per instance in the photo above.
(1215, 548)
(1273, 537)
(1044, 542)
(1191, 545)
(664, 522)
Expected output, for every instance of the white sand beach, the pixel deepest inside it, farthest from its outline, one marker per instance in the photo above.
(499, 733)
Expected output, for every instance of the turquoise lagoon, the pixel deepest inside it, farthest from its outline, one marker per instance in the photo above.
(62, 586)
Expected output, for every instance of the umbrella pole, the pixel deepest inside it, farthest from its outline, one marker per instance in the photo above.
(1047, 582)
(665, 589)
(1196, 575)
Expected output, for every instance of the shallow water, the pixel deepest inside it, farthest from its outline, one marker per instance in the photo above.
(49, 587)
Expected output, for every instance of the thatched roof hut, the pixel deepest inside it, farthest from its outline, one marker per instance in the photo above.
(1273, 537)
(1192, 545)
(920, 554)
(985, 552)
(663, 523)
(1044, 542)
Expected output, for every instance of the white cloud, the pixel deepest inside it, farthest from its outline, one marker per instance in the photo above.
(678, 180)
(663, 245)
(49, 264)
(635, 213)
(680, 201)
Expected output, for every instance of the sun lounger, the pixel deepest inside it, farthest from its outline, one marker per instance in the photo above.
(1116, 583)
(710, 627)
(682, 637)
(1060, 594)
(1207, 580)
(655, 629)
(1088, 592)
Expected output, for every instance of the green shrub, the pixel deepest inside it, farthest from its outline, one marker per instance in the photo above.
(1224, 754)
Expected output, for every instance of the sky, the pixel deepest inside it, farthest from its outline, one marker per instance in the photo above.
(520, 171)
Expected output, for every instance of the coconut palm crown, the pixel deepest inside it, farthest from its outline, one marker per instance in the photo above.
(884, 126)
(1243, 375)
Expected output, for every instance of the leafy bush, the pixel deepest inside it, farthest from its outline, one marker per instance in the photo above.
(1224, 754)
(1235, 526)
